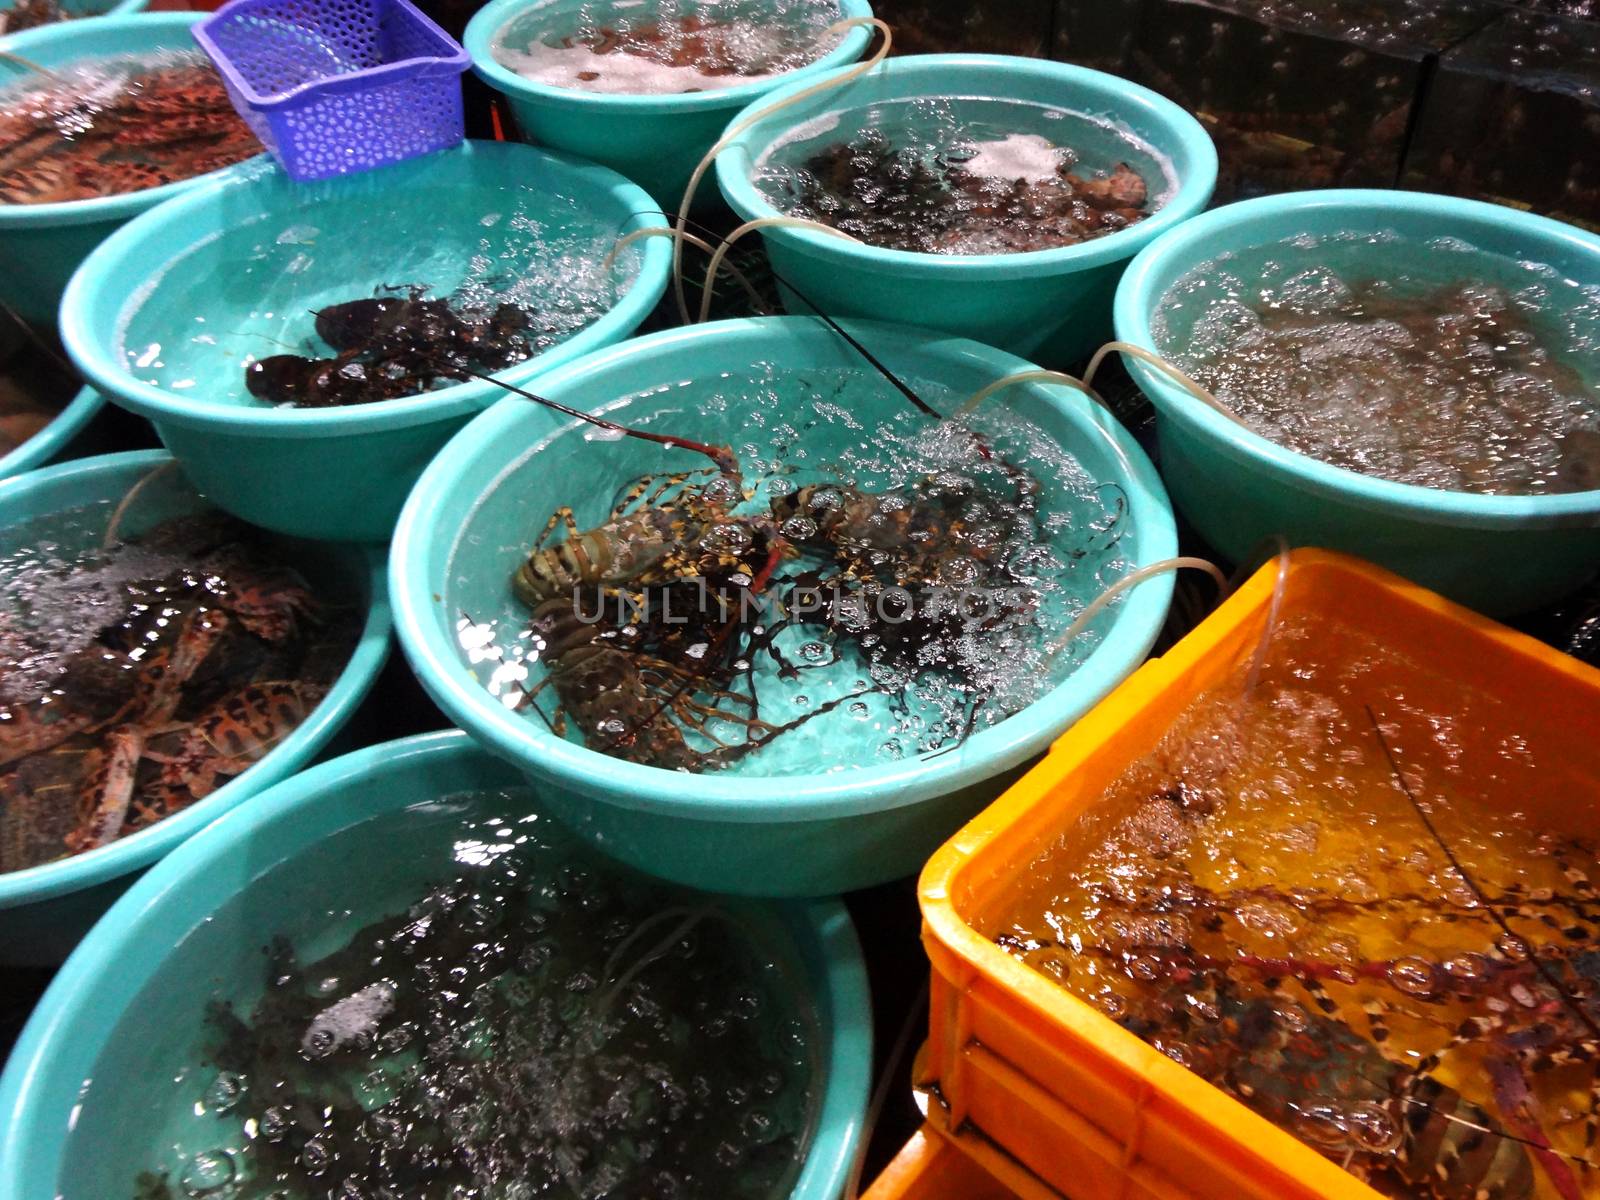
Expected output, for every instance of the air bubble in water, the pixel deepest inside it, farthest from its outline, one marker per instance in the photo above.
(224, 1092)
(960, 571)
(207, 1173)
(758, 1127)
(275, 1123)
(720, 490)
(726, 539)
(315, 1156)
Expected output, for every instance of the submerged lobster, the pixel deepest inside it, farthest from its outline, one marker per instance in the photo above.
(655, 689)
(203, 672)
(1273, 1030)
(686, 572)
(76, 139)
(1313, 1075)
(899, 199)
(390, 346)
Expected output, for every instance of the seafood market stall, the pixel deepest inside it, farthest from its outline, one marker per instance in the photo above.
(799, 600)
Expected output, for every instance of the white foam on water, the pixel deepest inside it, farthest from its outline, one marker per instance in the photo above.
(350, 1020)
(665, 48)
(939, 174)
(1026, 156)
(617, 74)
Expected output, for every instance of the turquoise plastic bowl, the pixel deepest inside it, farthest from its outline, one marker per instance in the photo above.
(55, 437)
(42, 244)
(45, 910)
(656, 141)
(182, 927)
(1049, 305)
(1498, 554)
(474, 513)
(338, 473)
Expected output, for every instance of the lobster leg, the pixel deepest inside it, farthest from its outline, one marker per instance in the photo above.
(109, 791)
(563, 517)
(22, 735)
(775, 553)
(687, 711)
(1580, 882)
(201, 633)
(631, 502)
(679, 673)
(1520, 1110)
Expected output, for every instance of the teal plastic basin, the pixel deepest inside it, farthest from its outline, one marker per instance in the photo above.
(656, 141)
(187, 272)
(476, 510)
(42, 244)
(46, 909)
(182, 936)
(1053, 306)
(1498, 554)
(55, 437)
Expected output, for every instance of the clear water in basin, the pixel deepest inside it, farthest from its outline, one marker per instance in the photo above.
(493, 1013)
(252, 291)
(1002, 521)
(965, 175)
(1423, 361)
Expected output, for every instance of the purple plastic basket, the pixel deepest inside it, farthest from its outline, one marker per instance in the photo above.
(335, 86)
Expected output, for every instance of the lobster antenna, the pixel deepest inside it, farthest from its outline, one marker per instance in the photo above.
(721, 455)
(27, 64)
(1499, 1133)
(1528, 949)
(1491, 1130)
(899, 384)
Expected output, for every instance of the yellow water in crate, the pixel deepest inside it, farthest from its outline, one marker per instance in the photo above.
(1347, 889)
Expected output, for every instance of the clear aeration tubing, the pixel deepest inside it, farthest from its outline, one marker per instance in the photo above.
(699, 242)
(1132, 580)
(1260, 657)
(1171, 372)
(1033, 376)
(128, 497)
(758, 223)
(734, 131)
(27, 64)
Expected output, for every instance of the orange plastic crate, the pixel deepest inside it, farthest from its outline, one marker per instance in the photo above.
(1023, 1072)
(930, 1167)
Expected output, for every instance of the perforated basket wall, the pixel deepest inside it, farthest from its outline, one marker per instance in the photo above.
(335, 86)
